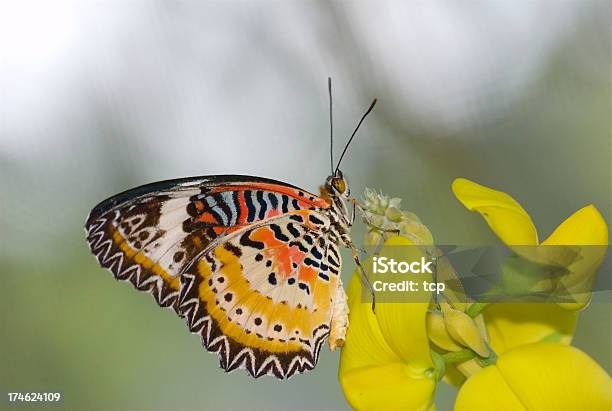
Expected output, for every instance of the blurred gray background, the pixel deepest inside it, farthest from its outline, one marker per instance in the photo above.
(98, 97)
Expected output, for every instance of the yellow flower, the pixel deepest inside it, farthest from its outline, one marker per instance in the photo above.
(541, 376)
(512, 324)
(386, 363)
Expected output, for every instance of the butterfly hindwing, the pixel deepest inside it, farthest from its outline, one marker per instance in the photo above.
(150, 234)
(262, 297)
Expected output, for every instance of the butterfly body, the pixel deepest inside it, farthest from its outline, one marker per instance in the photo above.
(251, 264)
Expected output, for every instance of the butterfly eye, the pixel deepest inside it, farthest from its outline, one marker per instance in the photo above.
(339, 185)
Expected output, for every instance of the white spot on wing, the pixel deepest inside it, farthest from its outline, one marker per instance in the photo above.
(173, 213)
(170, 243)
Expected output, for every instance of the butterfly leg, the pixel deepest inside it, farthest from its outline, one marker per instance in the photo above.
(384, 230)
(353, 214)
(364, 277)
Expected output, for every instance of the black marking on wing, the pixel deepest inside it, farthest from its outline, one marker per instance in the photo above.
(299, 245)
(250, 206)
(335, 253)
(309, 261)
(233, 249)
(297, 218)
(221, 203)
(246, 240)
(315, 252)
(313, 219)
(278, 233)
(212, 209)
(304, 286)
(294, 231)
(263, 206)
(273, 200)
(236, 205)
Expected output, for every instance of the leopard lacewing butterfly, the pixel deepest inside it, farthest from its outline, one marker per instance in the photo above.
(251, 264)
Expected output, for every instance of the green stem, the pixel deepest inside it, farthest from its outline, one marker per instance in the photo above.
(475, 309)
(458, 356)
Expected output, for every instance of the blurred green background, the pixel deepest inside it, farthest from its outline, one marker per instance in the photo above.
(98, 97)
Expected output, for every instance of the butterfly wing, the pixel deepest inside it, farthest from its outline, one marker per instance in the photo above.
(149, 235)
(262, 297)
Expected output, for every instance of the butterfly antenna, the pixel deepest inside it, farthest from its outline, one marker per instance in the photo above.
(331, 127)
(355, 132)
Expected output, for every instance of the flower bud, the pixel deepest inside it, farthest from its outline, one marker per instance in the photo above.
(394, 214)
(438, 334)
(384, 203)
(395, 202)
(464, 330)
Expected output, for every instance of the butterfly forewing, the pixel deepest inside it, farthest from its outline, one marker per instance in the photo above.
(141, 241)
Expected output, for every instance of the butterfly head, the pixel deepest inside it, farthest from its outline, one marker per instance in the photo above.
(336, 185)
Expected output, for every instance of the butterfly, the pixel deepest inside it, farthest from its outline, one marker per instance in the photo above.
(251, 264)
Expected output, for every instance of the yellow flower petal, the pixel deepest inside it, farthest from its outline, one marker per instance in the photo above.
(403, 324)
(403, 327)
(513, 324)
(365, 345)
(387, 387)
(510, 325)
(386, 361)
(396, 332)
(504, 215)
(371, 374)
(542, 376)
(487, 390)
(587, 229)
